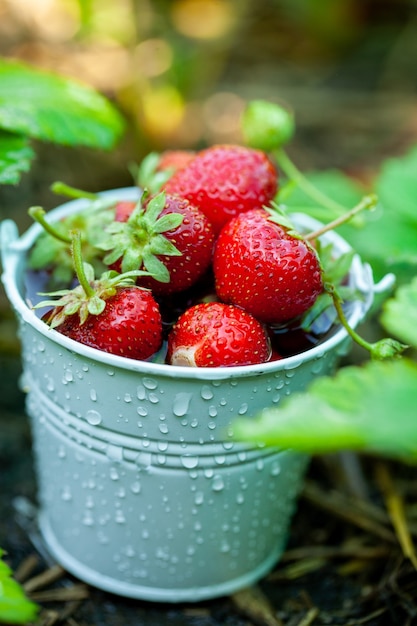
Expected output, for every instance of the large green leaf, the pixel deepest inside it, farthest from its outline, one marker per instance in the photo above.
(372, 408)
(45, 106)
(399, 314)
(15, 157)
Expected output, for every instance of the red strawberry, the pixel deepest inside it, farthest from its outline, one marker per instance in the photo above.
(174, 160)
(261, 267)
(224, 181)
(167, 236)
(111, 314)
(124, 210)
(214, 334)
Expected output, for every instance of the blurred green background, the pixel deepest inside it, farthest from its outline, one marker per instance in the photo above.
(181, 71)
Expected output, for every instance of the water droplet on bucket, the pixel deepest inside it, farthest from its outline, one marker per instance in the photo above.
(93, 395)
(217, 484)
(206, 392)
(317, 366)
(199, 498)
(66, 494)
(68, 376)
(135, 487)
(212, 411)
(189, 461)
(88, 519)
(93, 417)
(181, 403)
(275, 469)
(149, 383)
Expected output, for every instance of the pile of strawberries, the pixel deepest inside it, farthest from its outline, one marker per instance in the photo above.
(199, 272)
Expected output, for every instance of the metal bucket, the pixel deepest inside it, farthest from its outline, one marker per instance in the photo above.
(143, 490)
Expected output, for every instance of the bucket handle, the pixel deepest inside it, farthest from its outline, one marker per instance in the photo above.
(9, 236)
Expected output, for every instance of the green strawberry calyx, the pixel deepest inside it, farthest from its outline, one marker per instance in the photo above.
(140, 240)
(52, 248)
(90, 295)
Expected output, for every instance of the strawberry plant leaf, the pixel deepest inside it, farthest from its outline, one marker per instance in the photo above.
(45, 106)
(399, 315)
(370, 408)
(15, 608)
(16, 156)
(333, 183)
(389, 239)
(397, 185)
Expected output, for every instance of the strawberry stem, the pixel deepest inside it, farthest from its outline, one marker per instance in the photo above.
(386, 348)
(72, 192)
(78, 263)
(295, 175)
(38, 214)
(367, 202)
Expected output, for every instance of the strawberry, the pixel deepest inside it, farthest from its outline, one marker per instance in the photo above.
(214, 334)
(167, 236)
(225, 180)
(173, 160)
(110, 314)
(260, 266)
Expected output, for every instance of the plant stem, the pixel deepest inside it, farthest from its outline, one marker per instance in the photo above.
(38, 214)
(78, 263)
(386, 348)
(367, 202)
(294, 174)
(337, 302)
(72, 192)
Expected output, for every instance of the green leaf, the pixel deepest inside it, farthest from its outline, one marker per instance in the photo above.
(335, 184)
(161, 245)
(15, 608)
(369, 408)
(389, 239)
(154, 208)
(167, 222)
(45, 106)
(15, 157)
(156, 268)
(397, 185)
(399, 314)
